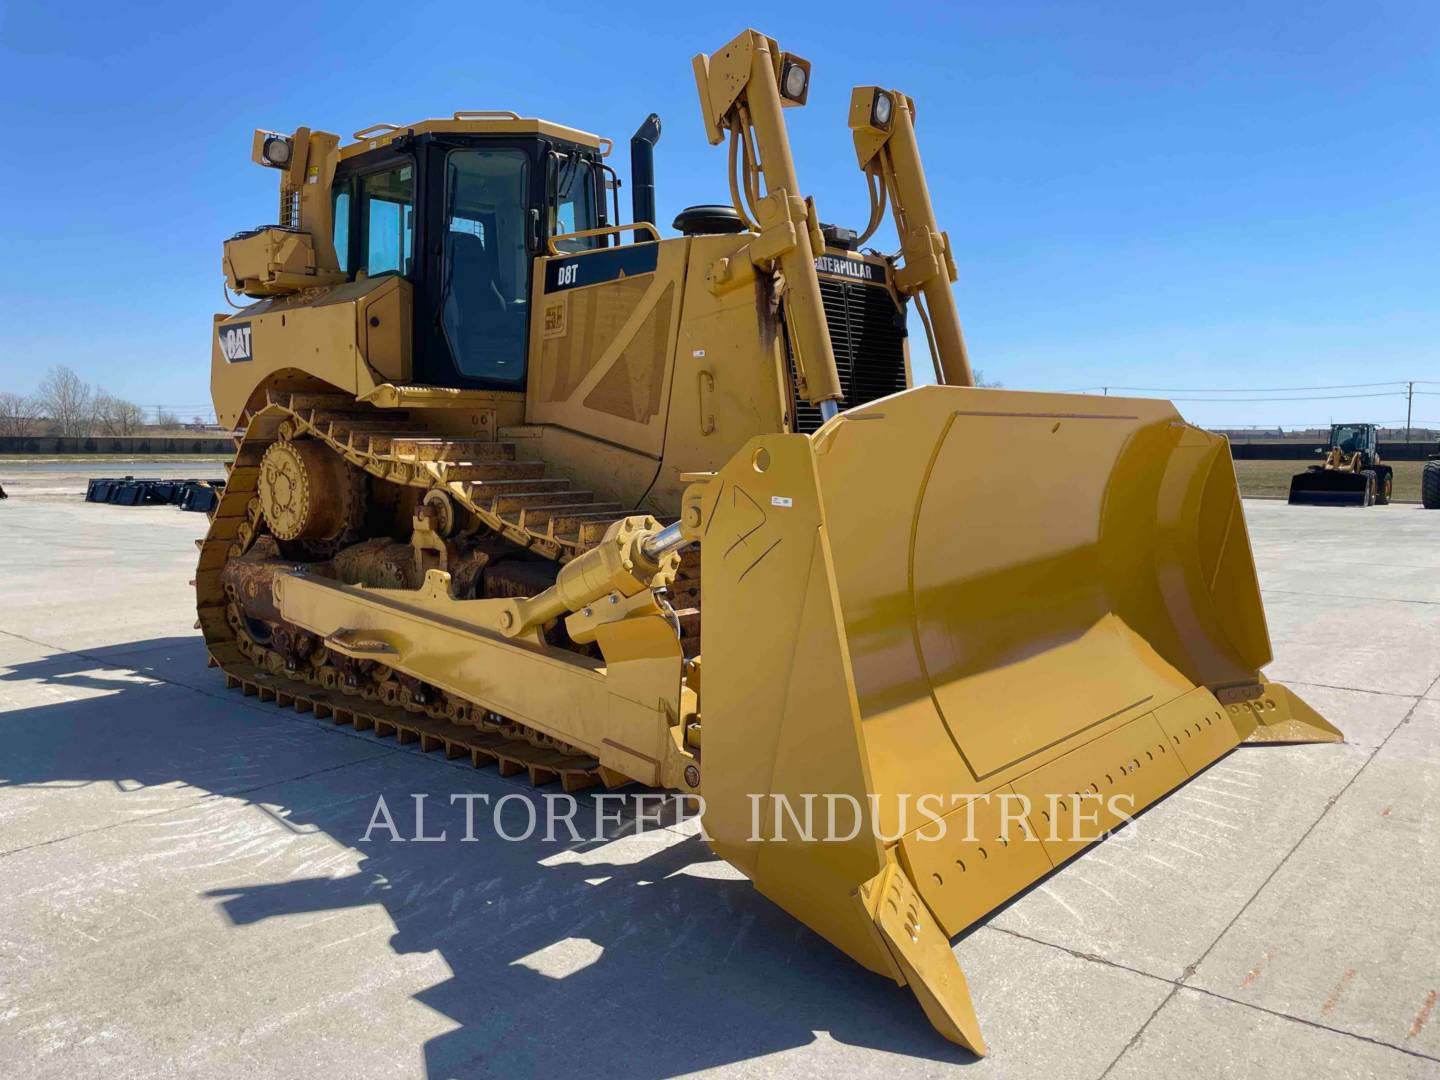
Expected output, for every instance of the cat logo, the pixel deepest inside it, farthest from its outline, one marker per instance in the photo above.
(844, 266)
(235, 343)
(554, 319)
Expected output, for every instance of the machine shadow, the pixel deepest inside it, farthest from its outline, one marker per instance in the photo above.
(634, 954)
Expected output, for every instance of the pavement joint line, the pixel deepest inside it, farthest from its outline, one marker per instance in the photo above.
(1308, 1023)
(1358, 690)
(1177, 984)
(1191, 968)
(1348, 596)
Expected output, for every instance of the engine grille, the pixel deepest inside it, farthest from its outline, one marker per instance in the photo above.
(867, 330)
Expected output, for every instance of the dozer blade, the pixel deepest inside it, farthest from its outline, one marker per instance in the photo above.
(1329, 487)
(996, 624)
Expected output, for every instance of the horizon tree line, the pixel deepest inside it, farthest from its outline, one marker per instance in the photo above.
(68, 406)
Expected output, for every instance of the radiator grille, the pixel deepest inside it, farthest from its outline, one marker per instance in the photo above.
(867, 330)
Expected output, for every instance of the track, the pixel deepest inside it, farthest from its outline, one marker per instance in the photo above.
(514, 499)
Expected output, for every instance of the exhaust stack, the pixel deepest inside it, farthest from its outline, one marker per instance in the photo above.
(642, 169)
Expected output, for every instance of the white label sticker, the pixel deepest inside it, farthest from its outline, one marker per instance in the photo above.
(781, 500)
(698, 353)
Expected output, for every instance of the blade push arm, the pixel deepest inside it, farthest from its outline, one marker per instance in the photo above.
(742, 88)
(883, 123)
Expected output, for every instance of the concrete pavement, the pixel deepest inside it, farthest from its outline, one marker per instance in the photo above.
(184, 889)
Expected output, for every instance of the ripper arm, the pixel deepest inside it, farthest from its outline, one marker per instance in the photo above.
(883, 124)
(742, 89)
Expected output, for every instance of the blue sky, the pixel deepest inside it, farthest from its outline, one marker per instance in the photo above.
(1195, 195)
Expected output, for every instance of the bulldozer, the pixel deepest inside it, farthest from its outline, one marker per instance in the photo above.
(1352, 473)
(494, 446)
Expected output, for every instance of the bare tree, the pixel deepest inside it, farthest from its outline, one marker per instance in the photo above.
(165, 420)
(68, 401)
(18, 414)
(116, 416)
(980, 380)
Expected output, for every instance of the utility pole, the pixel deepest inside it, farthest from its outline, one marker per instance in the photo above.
(1409, 400)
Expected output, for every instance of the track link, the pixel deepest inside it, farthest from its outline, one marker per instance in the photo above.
(513, 498)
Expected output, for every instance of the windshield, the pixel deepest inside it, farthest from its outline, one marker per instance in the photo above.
(485, 292)
(1349, 438)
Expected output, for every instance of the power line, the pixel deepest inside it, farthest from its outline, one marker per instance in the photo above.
(1242, 390)
(1309, 398)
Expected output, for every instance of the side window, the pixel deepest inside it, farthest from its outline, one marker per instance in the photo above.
(388, 215)
(574, 209)
(342, 226)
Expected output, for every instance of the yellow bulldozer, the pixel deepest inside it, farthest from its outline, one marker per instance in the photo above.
(494, 447)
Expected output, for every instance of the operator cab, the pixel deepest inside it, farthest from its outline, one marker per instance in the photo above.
(460, 209)
(1353, 438)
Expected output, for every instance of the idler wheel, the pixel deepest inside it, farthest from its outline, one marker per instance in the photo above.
(304, 491)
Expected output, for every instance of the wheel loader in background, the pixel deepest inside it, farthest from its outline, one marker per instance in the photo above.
(1352, 473)
(495, 446)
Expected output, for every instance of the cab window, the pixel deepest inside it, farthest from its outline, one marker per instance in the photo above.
(388, 216)
(574, 209)
(341, 208)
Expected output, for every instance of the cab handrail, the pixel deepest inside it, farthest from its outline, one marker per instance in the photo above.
(375, 129)
(608, 230)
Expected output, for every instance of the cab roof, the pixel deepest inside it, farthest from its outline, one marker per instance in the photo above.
(488, 122)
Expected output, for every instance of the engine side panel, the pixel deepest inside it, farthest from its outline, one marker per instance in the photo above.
(602, 335)
(352, 337)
